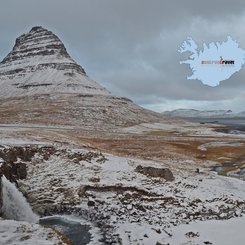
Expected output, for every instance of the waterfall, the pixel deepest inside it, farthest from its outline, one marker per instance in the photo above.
(14, 203)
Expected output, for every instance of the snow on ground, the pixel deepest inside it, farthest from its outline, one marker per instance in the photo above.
(190, 128)
(129, 206)
(108, 189)
(216, 232)
(204, 147)
(144, 234)
(30, 134)
(20, 142)
(18, 233)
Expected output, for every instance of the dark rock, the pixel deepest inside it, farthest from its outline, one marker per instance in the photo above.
(158, 243)
(13, 171)
(12, 167)
(91, 203)
(82, 190)
(10, 155)
(21, 170)
(192, 234)
(140, 207)
(158, 231)
(95, 179)
(156, 172)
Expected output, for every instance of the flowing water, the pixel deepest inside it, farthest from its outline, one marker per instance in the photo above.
(76, 232)
(15, 205)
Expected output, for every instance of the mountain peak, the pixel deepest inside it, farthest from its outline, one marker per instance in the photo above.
(37, 42)
(41, 84)
(36, 28)
(39, 63)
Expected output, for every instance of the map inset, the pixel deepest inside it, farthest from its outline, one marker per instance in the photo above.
(216, 62)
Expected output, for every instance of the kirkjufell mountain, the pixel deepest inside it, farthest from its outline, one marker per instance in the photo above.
(41, 83)
(39, 63)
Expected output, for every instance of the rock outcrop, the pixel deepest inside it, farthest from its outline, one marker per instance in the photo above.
(156, 172)
(12, 162)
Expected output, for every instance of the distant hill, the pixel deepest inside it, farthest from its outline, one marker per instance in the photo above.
(187, 113)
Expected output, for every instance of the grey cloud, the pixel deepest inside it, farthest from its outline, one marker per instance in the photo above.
(131, 46)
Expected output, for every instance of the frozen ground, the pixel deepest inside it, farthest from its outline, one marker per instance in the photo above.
(135, 208)
(215, 232)
(129, 207)
(23, 233)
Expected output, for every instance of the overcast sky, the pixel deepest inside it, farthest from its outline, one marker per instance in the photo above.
(130, 46)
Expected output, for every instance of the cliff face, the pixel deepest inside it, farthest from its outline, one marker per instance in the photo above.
(13, 162)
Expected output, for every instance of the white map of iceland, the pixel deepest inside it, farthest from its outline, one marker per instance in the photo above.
(216, 62)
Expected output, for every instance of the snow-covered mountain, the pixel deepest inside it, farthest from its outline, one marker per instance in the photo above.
(185, 113)
(241, 114)
(41, 84)
(39, 63)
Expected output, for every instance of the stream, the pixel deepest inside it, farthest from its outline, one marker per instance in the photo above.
(73, 229)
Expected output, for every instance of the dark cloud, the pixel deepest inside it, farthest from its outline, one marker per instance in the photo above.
(131, 46)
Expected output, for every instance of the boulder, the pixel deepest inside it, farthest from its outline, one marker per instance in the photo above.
(164, 173)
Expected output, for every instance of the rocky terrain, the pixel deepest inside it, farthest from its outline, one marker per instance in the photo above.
(147, 190)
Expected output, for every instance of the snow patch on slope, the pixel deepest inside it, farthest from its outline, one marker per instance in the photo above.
(15, 232)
